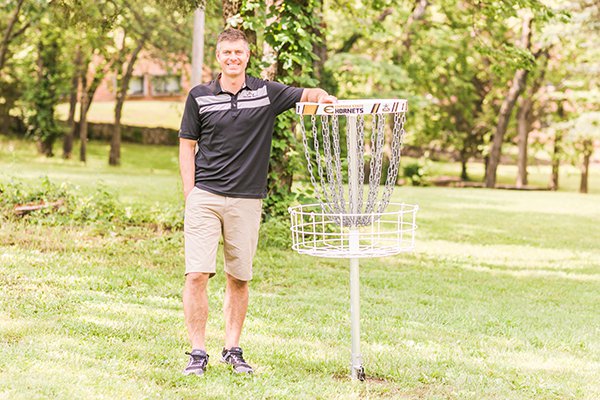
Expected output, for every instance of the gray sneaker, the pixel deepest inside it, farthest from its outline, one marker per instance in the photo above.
(197, 364)
(234, 357)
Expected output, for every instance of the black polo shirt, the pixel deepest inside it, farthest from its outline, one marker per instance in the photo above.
(234, 133)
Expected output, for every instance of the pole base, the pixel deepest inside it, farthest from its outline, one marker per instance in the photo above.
(358, 372)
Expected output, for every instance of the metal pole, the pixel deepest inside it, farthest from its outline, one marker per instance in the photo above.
(356, 368)
(198, 47)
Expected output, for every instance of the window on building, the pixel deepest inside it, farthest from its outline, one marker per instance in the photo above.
(166, 85)
(136, 86)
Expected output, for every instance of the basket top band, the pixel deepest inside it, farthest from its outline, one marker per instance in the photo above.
(353, 107)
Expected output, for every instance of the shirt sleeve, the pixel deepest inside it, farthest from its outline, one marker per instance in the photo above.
(190, 122)
(283, 97)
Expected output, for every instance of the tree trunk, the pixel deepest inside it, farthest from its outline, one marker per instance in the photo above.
(464, 158)
(557, 150)
(46, 146)
(556, 161)
(583, 185)
(525, 118)
(230, 8)
(8, 33)
(588, 146)
(114, 157)
(83, 126)
(518, 84)
(68, 139)
(523, 128)
(270, 71)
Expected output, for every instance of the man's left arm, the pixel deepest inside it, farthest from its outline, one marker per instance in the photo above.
(317, 95)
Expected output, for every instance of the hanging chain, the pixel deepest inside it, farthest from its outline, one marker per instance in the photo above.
(398, 134)
(331, 191)
(331, 186)
(377, 142)
(341, 204)
(361, 157)
(307, 153)
(326, 198)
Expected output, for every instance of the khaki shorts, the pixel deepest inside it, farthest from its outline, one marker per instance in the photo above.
(207, 216)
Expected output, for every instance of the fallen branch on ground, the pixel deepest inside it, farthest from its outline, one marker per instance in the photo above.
(30, 207)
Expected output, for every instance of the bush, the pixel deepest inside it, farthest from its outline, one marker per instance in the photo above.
(101, 208)
(275, 232)
(416, 173)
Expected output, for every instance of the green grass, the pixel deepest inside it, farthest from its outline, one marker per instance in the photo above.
(148, 174)
(166, 114)
(499, 301)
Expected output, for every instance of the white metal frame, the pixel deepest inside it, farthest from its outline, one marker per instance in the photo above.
(318, 231)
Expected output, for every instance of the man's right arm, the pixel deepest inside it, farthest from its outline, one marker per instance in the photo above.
(187, 164)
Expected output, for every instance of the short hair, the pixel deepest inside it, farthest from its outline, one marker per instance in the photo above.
(232, 35)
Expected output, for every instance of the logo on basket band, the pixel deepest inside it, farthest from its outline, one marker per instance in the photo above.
(344, 109)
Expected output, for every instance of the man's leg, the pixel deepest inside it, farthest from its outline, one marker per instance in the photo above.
(202, 229)
(234, 308)
(195, 307)
(240, 236)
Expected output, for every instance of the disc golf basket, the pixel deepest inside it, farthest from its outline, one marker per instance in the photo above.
(354, 217)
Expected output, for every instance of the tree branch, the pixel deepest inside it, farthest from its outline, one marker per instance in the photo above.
(8, 33)
(417, 14)
(347, 46)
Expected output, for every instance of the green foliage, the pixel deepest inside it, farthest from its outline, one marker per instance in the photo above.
(360, 76)
(580, 134)
(416, 172)
(44, 87)
(292, 36)
(277, 232)
(101, 209)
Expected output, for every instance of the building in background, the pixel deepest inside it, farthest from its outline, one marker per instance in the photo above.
(153, 80)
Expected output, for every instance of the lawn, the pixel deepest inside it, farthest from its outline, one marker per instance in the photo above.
(166, 114)
(499, 301)
(148, 174)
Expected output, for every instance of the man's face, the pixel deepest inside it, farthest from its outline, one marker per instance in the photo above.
(233, 57)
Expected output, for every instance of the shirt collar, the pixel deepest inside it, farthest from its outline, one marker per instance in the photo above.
(215, 86)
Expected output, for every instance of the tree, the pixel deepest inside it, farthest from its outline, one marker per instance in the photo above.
(284, 52)
(525, 117)
(90, 26)
(75, 79)
(518, 85)
(16, 20)
(155, 31)
(290, 35)
(45, 82)
(583, 132)
(124, 68)
(571, 81)
(9, 32)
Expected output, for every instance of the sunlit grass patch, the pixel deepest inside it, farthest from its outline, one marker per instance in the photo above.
(499, 301)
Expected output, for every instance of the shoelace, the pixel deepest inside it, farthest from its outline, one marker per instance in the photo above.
(198, 357)
(236, 357)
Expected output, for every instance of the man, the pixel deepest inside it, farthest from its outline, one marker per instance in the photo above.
(231, 120)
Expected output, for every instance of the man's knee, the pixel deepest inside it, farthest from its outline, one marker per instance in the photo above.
(235, 282)
(197, 280)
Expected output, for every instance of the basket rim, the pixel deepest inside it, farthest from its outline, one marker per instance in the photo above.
(301, 209)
